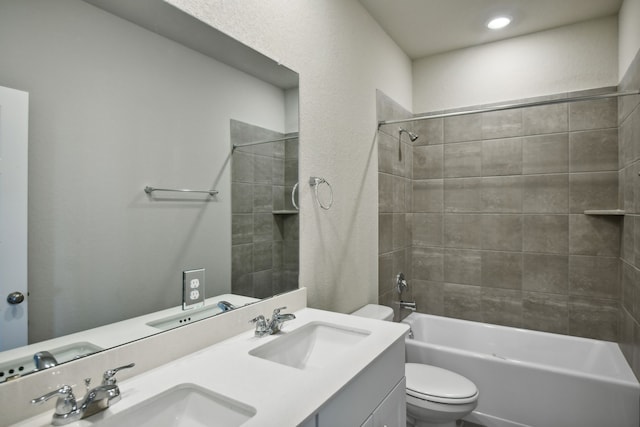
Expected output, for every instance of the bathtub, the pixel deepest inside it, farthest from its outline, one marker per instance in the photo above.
(529, 378)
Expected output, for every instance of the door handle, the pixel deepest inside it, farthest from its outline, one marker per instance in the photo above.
(15, 298)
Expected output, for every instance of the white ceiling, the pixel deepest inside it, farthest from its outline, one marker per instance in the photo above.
(425, 27)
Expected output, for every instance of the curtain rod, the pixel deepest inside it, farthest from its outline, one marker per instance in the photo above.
(512, 106)
(247, 144)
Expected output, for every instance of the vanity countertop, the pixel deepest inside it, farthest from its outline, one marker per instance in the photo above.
(117, 333)
(281, 395)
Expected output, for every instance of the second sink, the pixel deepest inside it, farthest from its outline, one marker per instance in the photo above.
(313, 345)
(185, 405)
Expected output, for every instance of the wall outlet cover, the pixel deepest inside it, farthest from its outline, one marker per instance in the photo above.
(192, 289)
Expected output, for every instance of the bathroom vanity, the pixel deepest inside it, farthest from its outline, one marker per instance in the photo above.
(323, 369)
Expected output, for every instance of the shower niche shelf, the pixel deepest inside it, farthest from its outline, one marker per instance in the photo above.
(610, 212)
(285, 212)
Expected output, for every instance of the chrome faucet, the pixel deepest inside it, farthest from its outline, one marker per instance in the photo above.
(409, 305)
(44, 360)
(273, 325)
(226, 306)
(97, 399)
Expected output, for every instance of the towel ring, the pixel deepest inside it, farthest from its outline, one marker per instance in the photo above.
(293, 198)
(315, 182)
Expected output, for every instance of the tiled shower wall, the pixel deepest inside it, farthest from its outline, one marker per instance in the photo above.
(265, 234)
(493, 227)
(629, 163)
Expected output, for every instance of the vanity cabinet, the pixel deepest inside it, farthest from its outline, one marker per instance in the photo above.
(374, 398)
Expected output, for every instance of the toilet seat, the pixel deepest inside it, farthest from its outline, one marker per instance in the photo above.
(426, 382)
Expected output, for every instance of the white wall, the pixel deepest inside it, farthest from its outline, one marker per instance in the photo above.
(570, 58)
(342, 56)
(629, 34)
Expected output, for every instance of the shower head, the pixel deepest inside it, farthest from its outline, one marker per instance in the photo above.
(412, 136)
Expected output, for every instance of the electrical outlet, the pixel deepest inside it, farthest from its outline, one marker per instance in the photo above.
(192, 289)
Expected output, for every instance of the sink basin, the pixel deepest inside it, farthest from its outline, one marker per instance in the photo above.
(311, 346)
(24, 365)
(184, 318)
(185, 405)
(211, 308)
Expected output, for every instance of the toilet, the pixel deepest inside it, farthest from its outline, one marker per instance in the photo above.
(436, 397)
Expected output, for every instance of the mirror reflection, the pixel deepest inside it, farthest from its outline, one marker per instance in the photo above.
(114, 108)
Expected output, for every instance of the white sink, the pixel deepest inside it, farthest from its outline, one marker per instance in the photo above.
(313, 345)
(184, 317)
(24, 365)
(185, 405)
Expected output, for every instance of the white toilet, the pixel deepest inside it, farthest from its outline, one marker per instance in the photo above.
(435, 397)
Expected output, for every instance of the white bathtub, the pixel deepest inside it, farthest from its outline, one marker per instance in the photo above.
(529, 378)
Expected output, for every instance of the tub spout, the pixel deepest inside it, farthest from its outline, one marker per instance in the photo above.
(409, 305)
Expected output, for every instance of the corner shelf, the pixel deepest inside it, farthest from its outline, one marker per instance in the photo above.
(611, 212)
(285, 212)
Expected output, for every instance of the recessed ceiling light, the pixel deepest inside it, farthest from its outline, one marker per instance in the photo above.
(498, 22)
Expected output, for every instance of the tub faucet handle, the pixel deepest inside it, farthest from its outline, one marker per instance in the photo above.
(401, 283)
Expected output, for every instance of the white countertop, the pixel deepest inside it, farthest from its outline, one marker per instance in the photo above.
(281, 395)
(118, 333)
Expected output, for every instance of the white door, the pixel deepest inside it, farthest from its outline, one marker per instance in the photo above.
(14, 119)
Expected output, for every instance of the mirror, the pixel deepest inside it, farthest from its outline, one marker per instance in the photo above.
(125, 95)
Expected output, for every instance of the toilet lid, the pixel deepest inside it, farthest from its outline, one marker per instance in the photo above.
(438, 385)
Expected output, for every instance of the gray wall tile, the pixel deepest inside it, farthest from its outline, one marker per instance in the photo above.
(502, 157)
(463, 159)
(428, 195)
(595, 150)
(428, 263)
(427, 229)
(493, 241)
(546, 233)
(502, 194)
(502, 232)
(427, 161)
(462, 231)
(241, 229)
(502, 307)
(545, 154)
(545, 312)
(463, 266)
(463, 302)
(595, 190)
(594, 276)
(545, 273)
(594, 235)
(594, 318)
(546, 193)
(463, 128)
(429, 296)
(241, 197)
(461, 194)
(545, 119)
(502, 270)
(502, 124)
(598, 114)
(430, 132)
(385, 233)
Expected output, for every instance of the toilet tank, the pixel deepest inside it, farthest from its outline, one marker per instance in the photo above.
(375, 311)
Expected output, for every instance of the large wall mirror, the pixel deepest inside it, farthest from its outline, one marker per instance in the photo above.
(125, 95)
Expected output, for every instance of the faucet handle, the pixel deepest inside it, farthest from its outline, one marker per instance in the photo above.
(276, 311)
(109, 376)
(64, 390)
(66, 400)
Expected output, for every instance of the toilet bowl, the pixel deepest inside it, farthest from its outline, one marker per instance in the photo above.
(436, 397)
